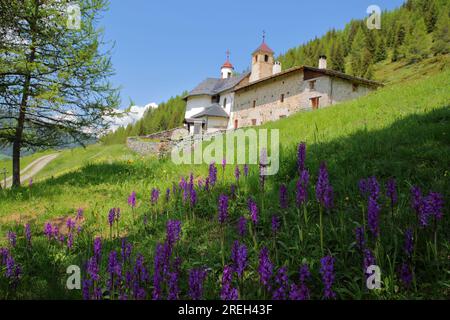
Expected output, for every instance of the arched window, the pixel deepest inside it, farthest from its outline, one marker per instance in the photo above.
(266, 58)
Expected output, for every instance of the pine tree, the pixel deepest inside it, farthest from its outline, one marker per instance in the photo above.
(417, 45)
(360, 57)
(337, 58)
(431, 14)
(54, 79)
(441, 37)
(381, 52)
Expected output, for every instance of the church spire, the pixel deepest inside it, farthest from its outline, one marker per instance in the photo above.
(227, 68)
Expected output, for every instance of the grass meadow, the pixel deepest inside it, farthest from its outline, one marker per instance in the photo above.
(400, 132)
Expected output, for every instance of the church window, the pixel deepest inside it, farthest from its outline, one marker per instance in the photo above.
(282, 98)
(266, 58)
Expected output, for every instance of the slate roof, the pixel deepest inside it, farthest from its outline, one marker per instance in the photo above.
(213, 86)
(214, 110)
(328, 72)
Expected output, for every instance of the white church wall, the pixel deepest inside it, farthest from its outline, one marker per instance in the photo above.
(197, 104)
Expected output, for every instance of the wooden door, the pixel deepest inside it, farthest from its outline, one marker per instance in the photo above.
(315, 103)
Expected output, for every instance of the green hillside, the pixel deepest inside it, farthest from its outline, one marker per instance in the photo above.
(399, 131)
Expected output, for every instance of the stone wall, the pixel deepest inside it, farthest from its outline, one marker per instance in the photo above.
(156, 144)
(263, 102)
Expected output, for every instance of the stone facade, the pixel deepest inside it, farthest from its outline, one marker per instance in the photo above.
(157, 144)
(289, 93)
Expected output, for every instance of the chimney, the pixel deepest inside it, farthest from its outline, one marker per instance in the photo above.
(276, 68)
(322, 62)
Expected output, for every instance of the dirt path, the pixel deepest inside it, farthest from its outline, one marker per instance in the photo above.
(33, 168)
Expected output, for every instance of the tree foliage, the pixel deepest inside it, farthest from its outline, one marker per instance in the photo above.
(54, 86)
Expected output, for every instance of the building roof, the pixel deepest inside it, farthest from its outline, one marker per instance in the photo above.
(227, 64)
(214, 110)
(213, 86)
(328, 72)
(263, 48)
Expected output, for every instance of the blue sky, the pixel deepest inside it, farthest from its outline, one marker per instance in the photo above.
(165, 47)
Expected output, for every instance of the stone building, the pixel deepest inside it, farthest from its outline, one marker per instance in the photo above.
(267, 93)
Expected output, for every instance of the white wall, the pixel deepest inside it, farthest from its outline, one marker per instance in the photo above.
(197, 104)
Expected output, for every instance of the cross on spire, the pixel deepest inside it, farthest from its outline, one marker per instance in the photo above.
(264, 36)
(228, 55)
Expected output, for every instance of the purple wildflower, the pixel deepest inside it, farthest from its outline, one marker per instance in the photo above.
(327, 272)
(174, 290)
(275, 224)
(409, 243)
(301, 156)
(80, 212)
(155, 196)
(70, 224)
(302, 185)
(265, 268)
(368, 260)
(111, 216)
(227, 291)
(173, 231)
(126, 249)
(253, 209)
(233, 190)
(246, 170)
(158, 276)
(132, 200)
(373, 212)
(242, 226)
(416, 199)
(283, 196)
(282, 281)
(239, 258)
(324, 191)
(237, 173)
(196, 279)
(224, 163)
(391, 192)
(97, 248)
(92, 269)
(167, 194)
(12, 238)
(359, 235)
(212, 174)
(301, 291)
(70, 241)
(193, 197)
(48, 230)
(223, 208)
(406, 274)
(433, 205)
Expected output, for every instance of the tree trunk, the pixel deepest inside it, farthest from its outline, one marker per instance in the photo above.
(17, 144)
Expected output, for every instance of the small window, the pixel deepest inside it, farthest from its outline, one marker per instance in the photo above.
(225, 102)
(282, 98)
(266, 58)
(253, 122)
(355, 87)
(312, 85)
(229, 74)
(254, 103)
(256, 58)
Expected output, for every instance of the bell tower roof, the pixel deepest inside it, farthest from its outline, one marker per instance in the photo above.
(227, 63)
(263, 48)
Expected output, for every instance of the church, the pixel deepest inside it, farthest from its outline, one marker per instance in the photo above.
(267, 93)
